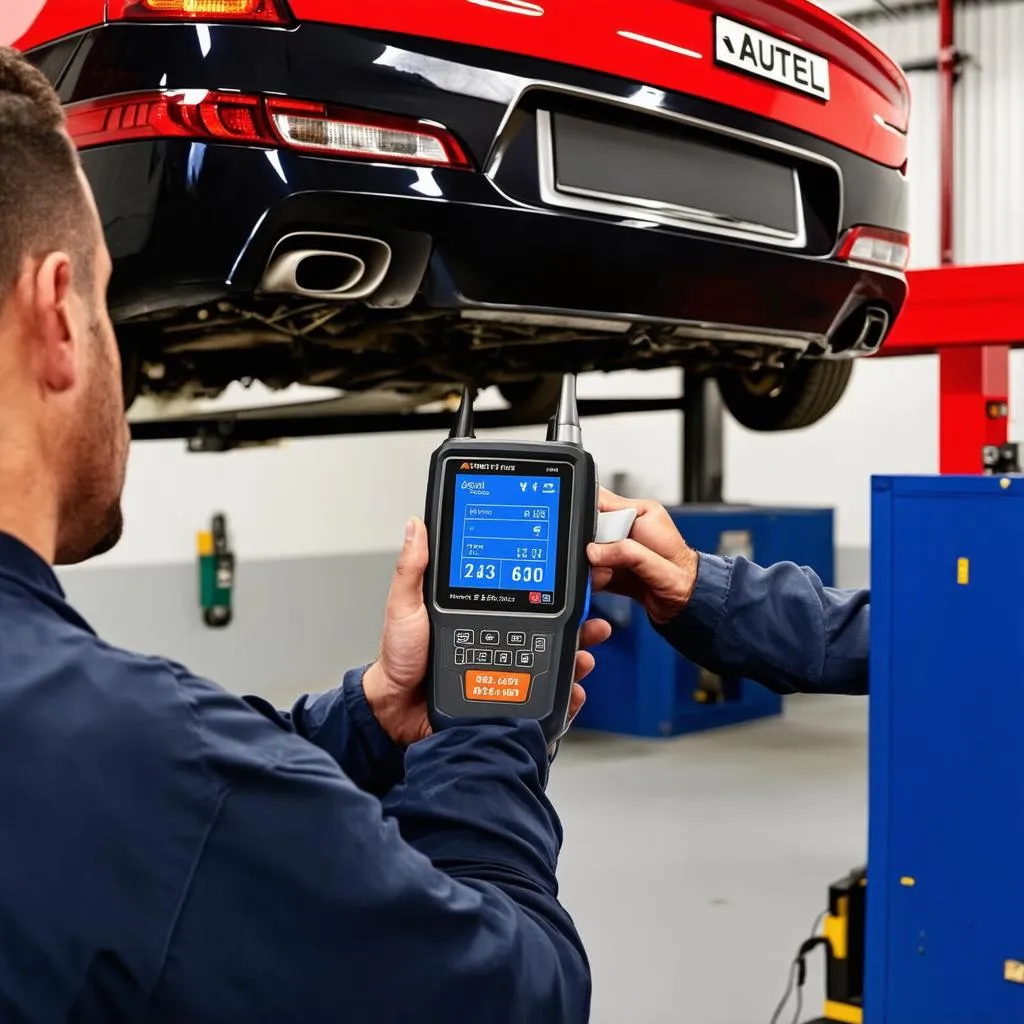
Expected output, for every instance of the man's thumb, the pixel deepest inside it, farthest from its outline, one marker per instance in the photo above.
(406, 594)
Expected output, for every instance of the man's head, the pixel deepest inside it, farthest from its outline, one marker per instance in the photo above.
(61, 406)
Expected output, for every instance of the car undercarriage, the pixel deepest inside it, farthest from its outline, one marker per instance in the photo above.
(426, 354)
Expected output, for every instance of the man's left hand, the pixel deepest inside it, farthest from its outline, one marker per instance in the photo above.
(395, 684)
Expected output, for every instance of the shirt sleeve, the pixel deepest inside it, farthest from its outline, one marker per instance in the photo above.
(779, 626)
(341, 723)
(312, 901)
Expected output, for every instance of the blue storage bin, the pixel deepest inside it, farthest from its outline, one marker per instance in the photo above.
(945, 911)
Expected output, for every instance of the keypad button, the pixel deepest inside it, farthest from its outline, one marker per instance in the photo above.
(460, 655)
(464, 637)
(503, 658)
(517, 639)
(483, 657)
(540, 644)
(524, 659)
(491, 637)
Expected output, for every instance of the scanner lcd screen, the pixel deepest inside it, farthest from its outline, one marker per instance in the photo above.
(504, 531)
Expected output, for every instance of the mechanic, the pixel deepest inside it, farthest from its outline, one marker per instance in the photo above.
(778, 626)
(170, 852)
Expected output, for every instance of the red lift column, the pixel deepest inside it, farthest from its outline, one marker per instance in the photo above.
(974, 383)
(974, 392)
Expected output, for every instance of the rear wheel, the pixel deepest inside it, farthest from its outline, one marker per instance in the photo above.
(785, 399)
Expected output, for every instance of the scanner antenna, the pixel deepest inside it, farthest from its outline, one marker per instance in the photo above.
(464, 419)
(565, 424)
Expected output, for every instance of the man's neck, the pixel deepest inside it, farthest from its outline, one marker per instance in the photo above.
(28, 507)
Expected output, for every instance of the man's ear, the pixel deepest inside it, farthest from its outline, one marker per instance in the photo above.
(57, 343)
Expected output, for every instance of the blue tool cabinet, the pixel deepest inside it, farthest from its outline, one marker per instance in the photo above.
(945, 912)
(641, 687)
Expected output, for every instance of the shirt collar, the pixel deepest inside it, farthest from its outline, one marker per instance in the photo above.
(22, 563)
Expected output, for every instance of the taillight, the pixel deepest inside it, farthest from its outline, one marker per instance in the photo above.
(315, 128)
(192, 114)
(252, 120)
(266, 12)
(880, 247)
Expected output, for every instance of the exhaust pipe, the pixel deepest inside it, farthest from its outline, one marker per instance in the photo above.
(313, 272)
(872, 331)
(862, 332)
(326, 266)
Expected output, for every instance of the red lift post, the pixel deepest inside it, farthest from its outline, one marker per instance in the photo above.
(970, 316)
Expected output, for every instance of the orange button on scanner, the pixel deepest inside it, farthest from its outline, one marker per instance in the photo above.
(499, 687)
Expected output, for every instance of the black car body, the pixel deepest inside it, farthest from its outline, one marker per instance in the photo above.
(506, 219)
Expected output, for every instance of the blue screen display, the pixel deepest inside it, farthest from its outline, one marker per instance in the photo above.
(505, 534)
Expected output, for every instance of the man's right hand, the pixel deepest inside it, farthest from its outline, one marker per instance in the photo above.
(394, 685)
(655, 566)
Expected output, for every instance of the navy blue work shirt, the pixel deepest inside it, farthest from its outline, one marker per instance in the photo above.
(172, 853)
(779, 626)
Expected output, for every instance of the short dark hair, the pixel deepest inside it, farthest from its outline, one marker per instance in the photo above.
(43, 207)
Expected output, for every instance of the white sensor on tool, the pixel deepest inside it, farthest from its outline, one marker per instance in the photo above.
(614, 526)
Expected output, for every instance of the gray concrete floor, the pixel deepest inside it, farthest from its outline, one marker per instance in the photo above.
(694, 867)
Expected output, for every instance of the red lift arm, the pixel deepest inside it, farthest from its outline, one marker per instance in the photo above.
(960, 308)
(970, 316)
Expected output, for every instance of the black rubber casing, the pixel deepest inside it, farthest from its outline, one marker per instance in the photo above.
(548, 700)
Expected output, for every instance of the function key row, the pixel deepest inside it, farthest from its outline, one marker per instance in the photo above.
(500, 659)
(492, 638)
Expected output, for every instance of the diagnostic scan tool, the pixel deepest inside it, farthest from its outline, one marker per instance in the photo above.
(508, 586)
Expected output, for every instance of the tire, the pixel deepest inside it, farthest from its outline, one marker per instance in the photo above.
(532, 401)
(776, 400)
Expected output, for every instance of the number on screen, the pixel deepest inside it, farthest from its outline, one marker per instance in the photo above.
(528, 574)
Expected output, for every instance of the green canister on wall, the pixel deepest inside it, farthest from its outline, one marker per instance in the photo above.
(216, 574)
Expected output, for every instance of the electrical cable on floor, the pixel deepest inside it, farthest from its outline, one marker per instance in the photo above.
(798, 973)
(785, 996)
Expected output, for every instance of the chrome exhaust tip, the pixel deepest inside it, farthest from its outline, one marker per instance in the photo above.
(860, 333)
(313, 272)
(873, 331)
(326, 266)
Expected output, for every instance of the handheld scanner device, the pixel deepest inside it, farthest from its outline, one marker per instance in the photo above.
(508, 585)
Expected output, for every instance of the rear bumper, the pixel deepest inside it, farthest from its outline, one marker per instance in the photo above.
(182, 233)
(188, 222)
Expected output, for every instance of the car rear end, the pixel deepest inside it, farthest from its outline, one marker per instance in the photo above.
(618, 179)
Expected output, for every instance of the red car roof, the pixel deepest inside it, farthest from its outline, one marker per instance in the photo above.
(671, 44)
(25, 24)
(664, 43)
